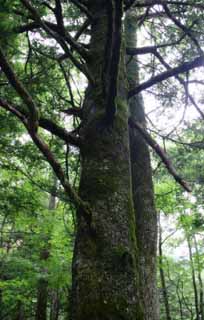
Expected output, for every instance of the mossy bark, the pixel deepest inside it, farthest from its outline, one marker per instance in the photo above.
(104, 268)
(143, 193)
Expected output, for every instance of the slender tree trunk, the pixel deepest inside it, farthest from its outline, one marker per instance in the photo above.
(143, 193)
(200, 281)
(42, 293)
(42, 290)
(163, 280)
(1, 303)
(104, 267)
(179, 301)
(54, 310)
(196, 299)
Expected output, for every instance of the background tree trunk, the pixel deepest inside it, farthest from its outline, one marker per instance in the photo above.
(193, 274)
(200, 281)
(55, 305)
(42, 294)
(143, 193)
(162, 278)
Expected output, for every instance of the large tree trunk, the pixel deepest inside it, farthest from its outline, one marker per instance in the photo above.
(104, 264)
(143, 193)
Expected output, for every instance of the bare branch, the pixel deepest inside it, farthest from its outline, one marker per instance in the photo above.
(186, 66)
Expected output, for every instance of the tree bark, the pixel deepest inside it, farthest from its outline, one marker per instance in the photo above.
(104, 263)
(143, 193)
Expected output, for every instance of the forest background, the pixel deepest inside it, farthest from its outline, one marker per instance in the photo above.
(38, 222)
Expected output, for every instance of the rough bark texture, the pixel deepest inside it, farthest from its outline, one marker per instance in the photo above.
(143, 193)
(104, 268)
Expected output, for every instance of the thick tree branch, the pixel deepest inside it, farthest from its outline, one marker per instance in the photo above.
(151, 49)
(83, 8)
(58, 37)
(8, 107)
(44, 123)
(59, 132)
(160, 152)
(73, 196)
(43, 147)
(186, 66)
(20, 89)
(76, 112)
(182, 82)
(147, 3)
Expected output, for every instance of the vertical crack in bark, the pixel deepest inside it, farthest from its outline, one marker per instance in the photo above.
(112, 57)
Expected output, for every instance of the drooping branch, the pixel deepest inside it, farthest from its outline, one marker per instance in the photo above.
(186, 66)
(12, 109)
(21, 90)
(73, 196)
(50, 158)
(160, 152)
(44, 123)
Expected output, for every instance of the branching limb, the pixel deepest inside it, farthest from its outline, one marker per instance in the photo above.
(160, 152)
(183, 28)
(58, 37)
(186, 66)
